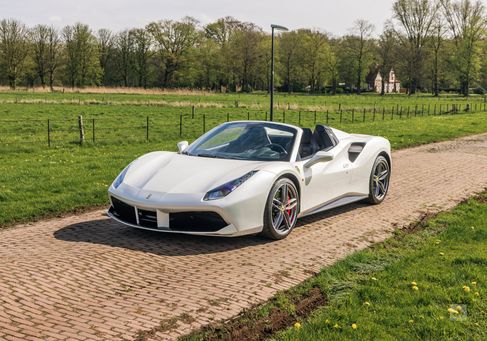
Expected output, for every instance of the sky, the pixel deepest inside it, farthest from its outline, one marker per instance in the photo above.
(332, 16)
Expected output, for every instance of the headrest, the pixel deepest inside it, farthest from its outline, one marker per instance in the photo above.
(307, 135)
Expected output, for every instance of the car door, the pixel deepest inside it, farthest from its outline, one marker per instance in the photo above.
(326, 181)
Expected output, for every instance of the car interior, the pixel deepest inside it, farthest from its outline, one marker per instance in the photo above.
(322, 138)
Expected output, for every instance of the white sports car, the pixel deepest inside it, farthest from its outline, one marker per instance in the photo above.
(250, 177)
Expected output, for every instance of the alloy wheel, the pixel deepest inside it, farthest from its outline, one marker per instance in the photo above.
(284, 208)
(380, 179)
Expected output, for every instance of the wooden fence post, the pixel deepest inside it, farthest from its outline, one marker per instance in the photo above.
(204, 123)
(81, 129)
(180, 125)
(48, 133)
(93, 133)
(147, 129)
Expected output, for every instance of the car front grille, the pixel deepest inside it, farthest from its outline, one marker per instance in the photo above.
(147, 218)
(206, 221)
(197, 221)
(123, 211)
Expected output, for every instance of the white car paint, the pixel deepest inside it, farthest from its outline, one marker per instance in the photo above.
(168, 182)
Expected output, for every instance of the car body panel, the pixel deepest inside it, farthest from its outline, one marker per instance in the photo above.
(167, 182)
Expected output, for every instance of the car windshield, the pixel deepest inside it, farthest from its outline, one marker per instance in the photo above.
(258, 141)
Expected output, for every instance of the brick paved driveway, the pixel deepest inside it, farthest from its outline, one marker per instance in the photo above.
(86, 277)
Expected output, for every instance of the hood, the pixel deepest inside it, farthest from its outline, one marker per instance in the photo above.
(165, 172)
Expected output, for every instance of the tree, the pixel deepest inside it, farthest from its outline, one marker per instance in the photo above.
(39, 43)
(141, 41)
(221, 33)
(83, 64)
(467, 22)
(174, 40)
(246, 53)
(46, 50)
(416, 19)
(14, 43)
(123, 45)
(289, 53)
(332, 66)
(317, 51)
(437, 41)
(387, 47)
(105, 39)
(360, 48)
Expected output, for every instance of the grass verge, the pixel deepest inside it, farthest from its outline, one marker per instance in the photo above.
(408, 287)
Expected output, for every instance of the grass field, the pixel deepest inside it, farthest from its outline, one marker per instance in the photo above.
(425, 282)
(37, 181)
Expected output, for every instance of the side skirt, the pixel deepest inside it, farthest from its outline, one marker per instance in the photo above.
(341, 201)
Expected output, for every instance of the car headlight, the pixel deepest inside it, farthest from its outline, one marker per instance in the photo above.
(118, 181)
(225, 189)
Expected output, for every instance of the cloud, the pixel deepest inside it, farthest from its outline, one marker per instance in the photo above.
(55, 18)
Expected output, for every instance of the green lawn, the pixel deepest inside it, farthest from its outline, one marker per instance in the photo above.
(447, 264)
(37, 181)
(406, 288)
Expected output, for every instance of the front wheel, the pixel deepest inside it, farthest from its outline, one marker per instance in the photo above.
(282, 208)
(379, 180)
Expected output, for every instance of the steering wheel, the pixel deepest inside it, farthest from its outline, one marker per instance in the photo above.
(277, 148)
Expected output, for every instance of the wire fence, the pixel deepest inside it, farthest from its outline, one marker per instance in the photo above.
(139, 128)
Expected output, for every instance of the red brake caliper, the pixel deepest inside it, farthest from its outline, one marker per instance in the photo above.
(288, 202)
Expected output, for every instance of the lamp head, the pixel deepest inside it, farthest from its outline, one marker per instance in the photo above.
(279, 27)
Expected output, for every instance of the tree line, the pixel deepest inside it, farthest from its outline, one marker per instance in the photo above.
(432, 45)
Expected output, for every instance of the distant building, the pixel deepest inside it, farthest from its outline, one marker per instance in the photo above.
(391, 84)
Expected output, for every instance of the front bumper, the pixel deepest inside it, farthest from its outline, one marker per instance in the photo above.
(237, 214)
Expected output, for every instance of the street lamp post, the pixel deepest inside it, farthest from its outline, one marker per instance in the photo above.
(279, 28)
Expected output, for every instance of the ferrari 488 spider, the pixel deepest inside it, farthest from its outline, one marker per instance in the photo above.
(250, 177)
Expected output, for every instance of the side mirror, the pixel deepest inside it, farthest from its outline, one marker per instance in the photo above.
(319, 157)
(182, 146)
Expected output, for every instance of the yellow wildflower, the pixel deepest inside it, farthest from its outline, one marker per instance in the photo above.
(411, 321)
(477, 293)
(297, 325)
(354, 326)
(414, 283)
(474, 283)
(415, 288)
(466, 288)
(336, 326)
(452, 311)
(437, 241)
(373, 278)
(327, 321)
(367, 303)
(442, 254)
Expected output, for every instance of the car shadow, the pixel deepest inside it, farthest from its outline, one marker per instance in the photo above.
(111, 233)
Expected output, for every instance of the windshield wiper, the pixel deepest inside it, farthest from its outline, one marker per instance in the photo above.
(206, 155)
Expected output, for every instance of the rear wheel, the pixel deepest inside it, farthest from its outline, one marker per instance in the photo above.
(282, 208)
(379, 180)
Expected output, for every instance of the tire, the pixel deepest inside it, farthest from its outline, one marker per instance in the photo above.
(379, 180)
(275, 227)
